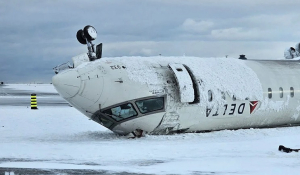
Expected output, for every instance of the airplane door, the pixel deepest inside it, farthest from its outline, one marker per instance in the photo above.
(184, 82)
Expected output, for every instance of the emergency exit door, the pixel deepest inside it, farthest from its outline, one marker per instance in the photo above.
(184, 82)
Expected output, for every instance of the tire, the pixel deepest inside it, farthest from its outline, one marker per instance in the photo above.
(87, 35)
(80, 37)
(298, 47)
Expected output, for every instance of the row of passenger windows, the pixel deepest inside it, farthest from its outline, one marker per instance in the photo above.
(127, 110)
(292, 92)
(210, 96)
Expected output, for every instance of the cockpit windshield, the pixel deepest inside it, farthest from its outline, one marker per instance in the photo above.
(121, 112)
(149, 105)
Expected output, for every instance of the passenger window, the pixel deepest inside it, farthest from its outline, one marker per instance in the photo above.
(121, 112)
(150, 105)
(280, 92)
(210, 96)
(292, 91)
(269, 92)
(223, 95)
(233, 98)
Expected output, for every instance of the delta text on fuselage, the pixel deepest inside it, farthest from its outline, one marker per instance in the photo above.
(161, 95)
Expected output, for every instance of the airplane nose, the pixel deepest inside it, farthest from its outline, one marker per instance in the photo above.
(67, 83)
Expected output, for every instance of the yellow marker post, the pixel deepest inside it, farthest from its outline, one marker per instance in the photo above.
(33, 101)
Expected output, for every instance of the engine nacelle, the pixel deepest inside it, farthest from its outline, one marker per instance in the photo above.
(297, 47)
(291, 52)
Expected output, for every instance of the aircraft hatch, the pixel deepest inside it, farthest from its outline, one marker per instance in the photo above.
(184, 82)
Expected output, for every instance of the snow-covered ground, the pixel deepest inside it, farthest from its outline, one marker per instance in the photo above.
(33, 87)
(60, 137)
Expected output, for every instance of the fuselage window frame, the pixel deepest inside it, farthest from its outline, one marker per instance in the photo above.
(281, 92)
(233, 98)
(223, 95)
(122, 110)
(150, 105)
(269, 93)
(210, 95)
(134, 106)
(292, 92)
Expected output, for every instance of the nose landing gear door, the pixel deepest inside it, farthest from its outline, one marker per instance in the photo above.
(184, 82)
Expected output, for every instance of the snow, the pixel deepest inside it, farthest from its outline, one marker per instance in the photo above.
(228, 73)
(33, 87)
(62, 138)
(268, 105)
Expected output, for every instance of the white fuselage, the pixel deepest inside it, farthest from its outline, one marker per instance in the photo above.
(183, 94)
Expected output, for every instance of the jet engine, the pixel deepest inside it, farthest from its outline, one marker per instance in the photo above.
(297, 47)
(291, 52)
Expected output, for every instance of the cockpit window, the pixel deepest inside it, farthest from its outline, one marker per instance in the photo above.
(149, 105)
(105, 122)
(121, 112)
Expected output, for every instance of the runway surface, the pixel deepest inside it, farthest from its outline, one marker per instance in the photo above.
(16, 97)
(33, 171)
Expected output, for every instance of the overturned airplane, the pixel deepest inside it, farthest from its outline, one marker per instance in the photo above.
(162, 95)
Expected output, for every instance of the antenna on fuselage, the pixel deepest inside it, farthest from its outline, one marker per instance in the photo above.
(86, 36)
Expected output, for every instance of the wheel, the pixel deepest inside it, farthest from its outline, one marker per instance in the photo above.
(298, 47)
(80, 37)
(90, 32)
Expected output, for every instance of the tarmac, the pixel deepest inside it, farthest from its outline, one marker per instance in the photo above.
(13, 97)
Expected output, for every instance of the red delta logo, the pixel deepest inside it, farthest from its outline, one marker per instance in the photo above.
(253, 105)
(231, 109)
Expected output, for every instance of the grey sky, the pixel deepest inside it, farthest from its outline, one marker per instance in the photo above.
(36, 35)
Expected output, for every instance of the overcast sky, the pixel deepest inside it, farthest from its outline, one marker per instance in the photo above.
(36, 35)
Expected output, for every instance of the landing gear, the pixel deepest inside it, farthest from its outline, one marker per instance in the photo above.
(86, 36)
(90, 33)
(80, 37)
